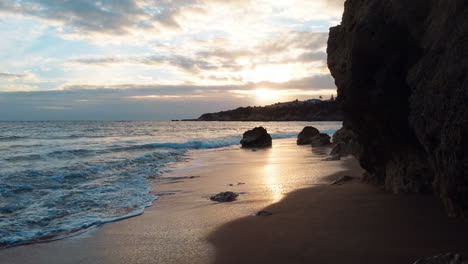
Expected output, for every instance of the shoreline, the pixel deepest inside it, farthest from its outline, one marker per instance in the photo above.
(183, 216)
(184, 226)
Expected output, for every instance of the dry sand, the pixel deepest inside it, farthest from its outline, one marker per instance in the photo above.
(351, 223)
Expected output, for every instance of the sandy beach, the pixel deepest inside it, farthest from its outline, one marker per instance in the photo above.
(312, 221)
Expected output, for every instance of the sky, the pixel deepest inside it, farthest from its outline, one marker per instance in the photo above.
(160, 59)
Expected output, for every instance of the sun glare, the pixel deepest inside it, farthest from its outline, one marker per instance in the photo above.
(271, 73)
(265, 95)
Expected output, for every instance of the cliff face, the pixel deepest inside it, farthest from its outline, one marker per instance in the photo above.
(401, 68)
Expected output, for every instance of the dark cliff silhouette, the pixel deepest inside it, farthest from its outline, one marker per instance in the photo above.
(310, 110)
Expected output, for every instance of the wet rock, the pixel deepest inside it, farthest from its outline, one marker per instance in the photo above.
(306, 135)
(449, 258)
(400, 67)
(263, 213)
(320, 140)
(224, 197)
(256, 138)
(343, 180)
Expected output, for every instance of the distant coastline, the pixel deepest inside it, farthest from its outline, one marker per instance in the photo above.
(309, 110)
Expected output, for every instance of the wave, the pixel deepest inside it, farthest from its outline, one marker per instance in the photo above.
(68, 200)
(283, 135)
(59, 154)
(65, 154)
(200, 143)
(11, 138)
(191, 144)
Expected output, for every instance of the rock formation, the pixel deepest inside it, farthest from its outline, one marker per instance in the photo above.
(320, 140)
(306, 135)
(401, 68)
(345, 144)
(256, 138)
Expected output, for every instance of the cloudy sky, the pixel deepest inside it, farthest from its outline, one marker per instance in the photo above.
(159, 59)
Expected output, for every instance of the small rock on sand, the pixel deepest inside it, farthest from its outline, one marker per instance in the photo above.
(343, 180)
(263, 213)
(223, 197)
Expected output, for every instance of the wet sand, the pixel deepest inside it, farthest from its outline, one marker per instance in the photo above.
(350, 223)
(176, 227)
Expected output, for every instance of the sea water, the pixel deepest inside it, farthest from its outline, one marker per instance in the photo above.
(61, 178)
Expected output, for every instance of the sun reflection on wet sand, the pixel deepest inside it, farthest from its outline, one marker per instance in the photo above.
(271, 175)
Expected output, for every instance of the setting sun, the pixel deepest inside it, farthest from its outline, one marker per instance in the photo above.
(264, 94)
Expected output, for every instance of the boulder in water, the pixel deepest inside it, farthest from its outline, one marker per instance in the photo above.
(306, 135)
(256, 138)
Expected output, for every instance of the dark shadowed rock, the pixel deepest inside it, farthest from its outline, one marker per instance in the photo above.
(256, 138)
(345, 143)
(343, 180)
(320, 140)
(264, 213)
(224, 197)
(306, 135)
(401, 71)
(449, 258)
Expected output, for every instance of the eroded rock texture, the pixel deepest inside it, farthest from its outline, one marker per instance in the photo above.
(401, 68)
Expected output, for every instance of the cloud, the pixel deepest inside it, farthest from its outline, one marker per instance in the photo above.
(4, 88)
(153, 101)
(122, 17)
(11, 77)
(111, 17)
(316, 82)
(224, 61)
(202, 48)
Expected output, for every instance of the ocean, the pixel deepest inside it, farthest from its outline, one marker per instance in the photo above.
(61, 178)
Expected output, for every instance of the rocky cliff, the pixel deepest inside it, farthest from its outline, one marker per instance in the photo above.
(401, 68)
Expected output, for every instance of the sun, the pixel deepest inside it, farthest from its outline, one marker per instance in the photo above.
(265, 95)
